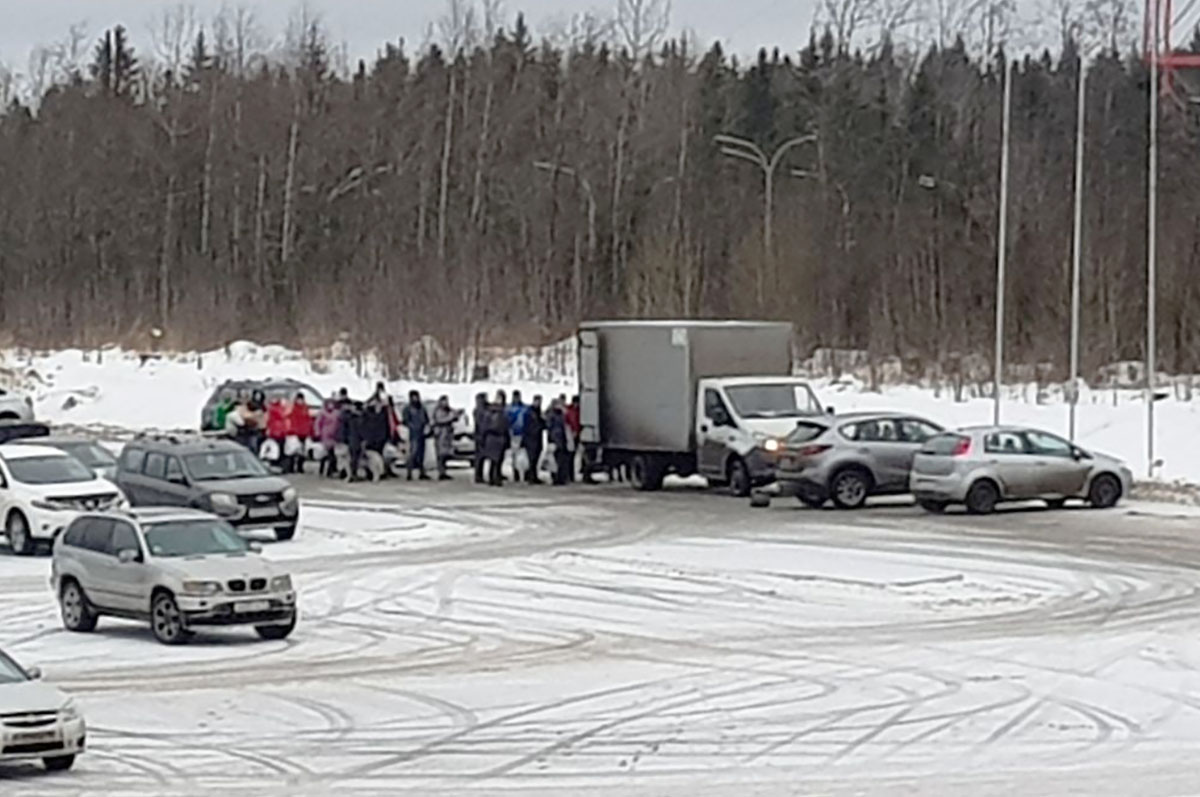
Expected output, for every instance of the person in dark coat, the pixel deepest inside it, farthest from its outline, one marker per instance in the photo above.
(496, 439)
(559, 435)
(351, 431)
(416, 421)
(376, 431)
(480, 420)
(444, 418)
(533, 437)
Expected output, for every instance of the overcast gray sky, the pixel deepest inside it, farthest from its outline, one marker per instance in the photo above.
(364, 25)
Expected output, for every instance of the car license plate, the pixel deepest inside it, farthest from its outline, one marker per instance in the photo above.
(37, 736)
(263, 511)
(252, 607)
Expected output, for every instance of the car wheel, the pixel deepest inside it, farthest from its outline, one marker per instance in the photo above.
(166, 621)
(58, 763)
(934, 507)
(17, 529)
(1105, 491)
(285, 533)
(850, 488)
(276, 631)
(77, 613)
(760, 499)
(982, 498)
(739, 478)
(1056, 503)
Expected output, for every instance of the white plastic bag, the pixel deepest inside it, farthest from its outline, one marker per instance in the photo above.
(269, 452)
(521, 460)
(292, 447)
(390, 453)
(547, 463)
(316, 451)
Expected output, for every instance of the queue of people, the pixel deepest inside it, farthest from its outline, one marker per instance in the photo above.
(355, 439)
(534, 440)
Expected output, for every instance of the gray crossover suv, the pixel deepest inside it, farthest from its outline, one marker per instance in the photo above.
(982, 466)
(217, 476)
(847, 458)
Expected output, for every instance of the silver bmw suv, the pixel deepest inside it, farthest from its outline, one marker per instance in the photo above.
(985, 465)
(178, 568)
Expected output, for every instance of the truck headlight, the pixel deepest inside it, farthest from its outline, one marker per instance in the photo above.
(281, 584)
(201, 588)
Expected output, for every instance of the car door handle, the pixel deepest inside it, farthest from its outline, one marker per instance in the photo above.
(704, 428)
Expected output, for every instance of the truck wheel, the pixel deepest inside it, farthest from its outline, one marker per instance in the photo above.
(739, 477)
(645, 473)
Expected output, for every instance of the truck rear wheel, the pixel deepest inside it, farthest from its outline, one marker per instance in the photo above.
(646, 473)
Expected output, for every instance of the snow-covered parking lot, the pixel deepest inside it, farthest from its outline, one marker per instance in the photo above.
(461, 641)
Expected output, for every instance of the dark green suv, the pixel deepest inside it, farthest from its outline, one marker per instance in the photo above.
(218, 476)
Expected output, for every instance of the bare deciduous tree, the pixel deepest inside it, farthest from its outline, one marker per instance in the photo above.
(642, 25)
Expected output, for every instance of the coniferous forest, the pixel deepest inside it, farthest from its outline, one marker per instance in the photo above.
(500, 189)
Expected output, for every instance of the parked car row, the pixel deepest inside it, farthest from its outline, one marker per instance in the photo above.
(845, 459)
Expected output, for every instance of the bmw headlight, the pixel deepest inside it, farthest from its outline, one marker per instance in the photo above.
(224, 504)
(201, 588)
(281, 584)
(69, 711)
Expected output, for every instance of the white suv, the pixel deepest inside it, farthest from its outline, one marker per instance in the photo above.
(37, 720)
(178, 568)
(42, 489)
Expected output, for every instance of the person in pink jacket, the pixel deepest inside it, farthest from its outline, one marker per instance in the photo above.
(326, 432)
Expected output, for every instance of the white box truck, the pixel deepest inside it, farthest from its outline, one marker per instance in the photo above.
(714, 398)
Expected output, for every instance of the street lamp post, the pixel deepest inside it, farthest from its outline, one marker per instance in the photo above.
(1002, 244)
(1077, 244)
(1152, 249)
(747, 150)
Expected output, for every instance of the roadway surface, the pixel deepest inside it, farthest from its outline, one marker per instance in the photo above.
(462, 640)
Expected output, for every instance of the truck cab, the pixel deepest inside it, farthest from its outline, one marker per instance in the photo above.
(741, 423)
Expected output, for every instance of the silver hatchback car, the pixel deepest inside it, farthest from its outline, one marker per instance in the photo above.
(846, 458)
(980, 467)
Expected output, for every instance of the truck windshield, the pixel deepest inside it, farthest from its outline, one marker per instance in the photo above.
(773, 400)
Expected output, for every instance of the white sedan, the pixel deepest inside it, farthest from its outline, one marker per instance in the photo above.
(37, 721)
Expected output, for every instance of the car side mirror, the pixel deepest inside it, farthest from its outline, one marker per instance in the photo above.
(128, 556)
(1079, 454)
(35, 673)
(255, 547)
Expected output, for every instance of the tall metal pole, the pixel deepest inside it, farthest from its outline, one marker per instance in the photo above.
(1077, 241)
(1152, 249)
(1002, 243)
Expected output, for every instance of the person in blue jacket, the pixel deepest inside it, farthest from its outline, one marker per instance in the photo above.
(516, 425)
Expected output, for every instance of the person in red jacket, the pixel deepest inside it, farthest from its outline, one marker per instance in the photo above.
(300, 426)
(277, 426)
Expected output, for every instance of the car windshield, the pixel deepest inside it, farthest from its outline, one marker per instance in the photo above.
(773, 401)
(59, 469)
(205, 537)
(221, 465)
(10, 671)
(91, 454)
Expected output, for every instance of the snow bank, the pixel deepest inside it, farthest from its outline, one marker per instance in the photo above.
(123, 389)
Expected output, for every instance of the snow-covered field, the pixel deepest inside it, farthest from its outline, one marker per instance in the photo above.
(116, 389)
(456, 640)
